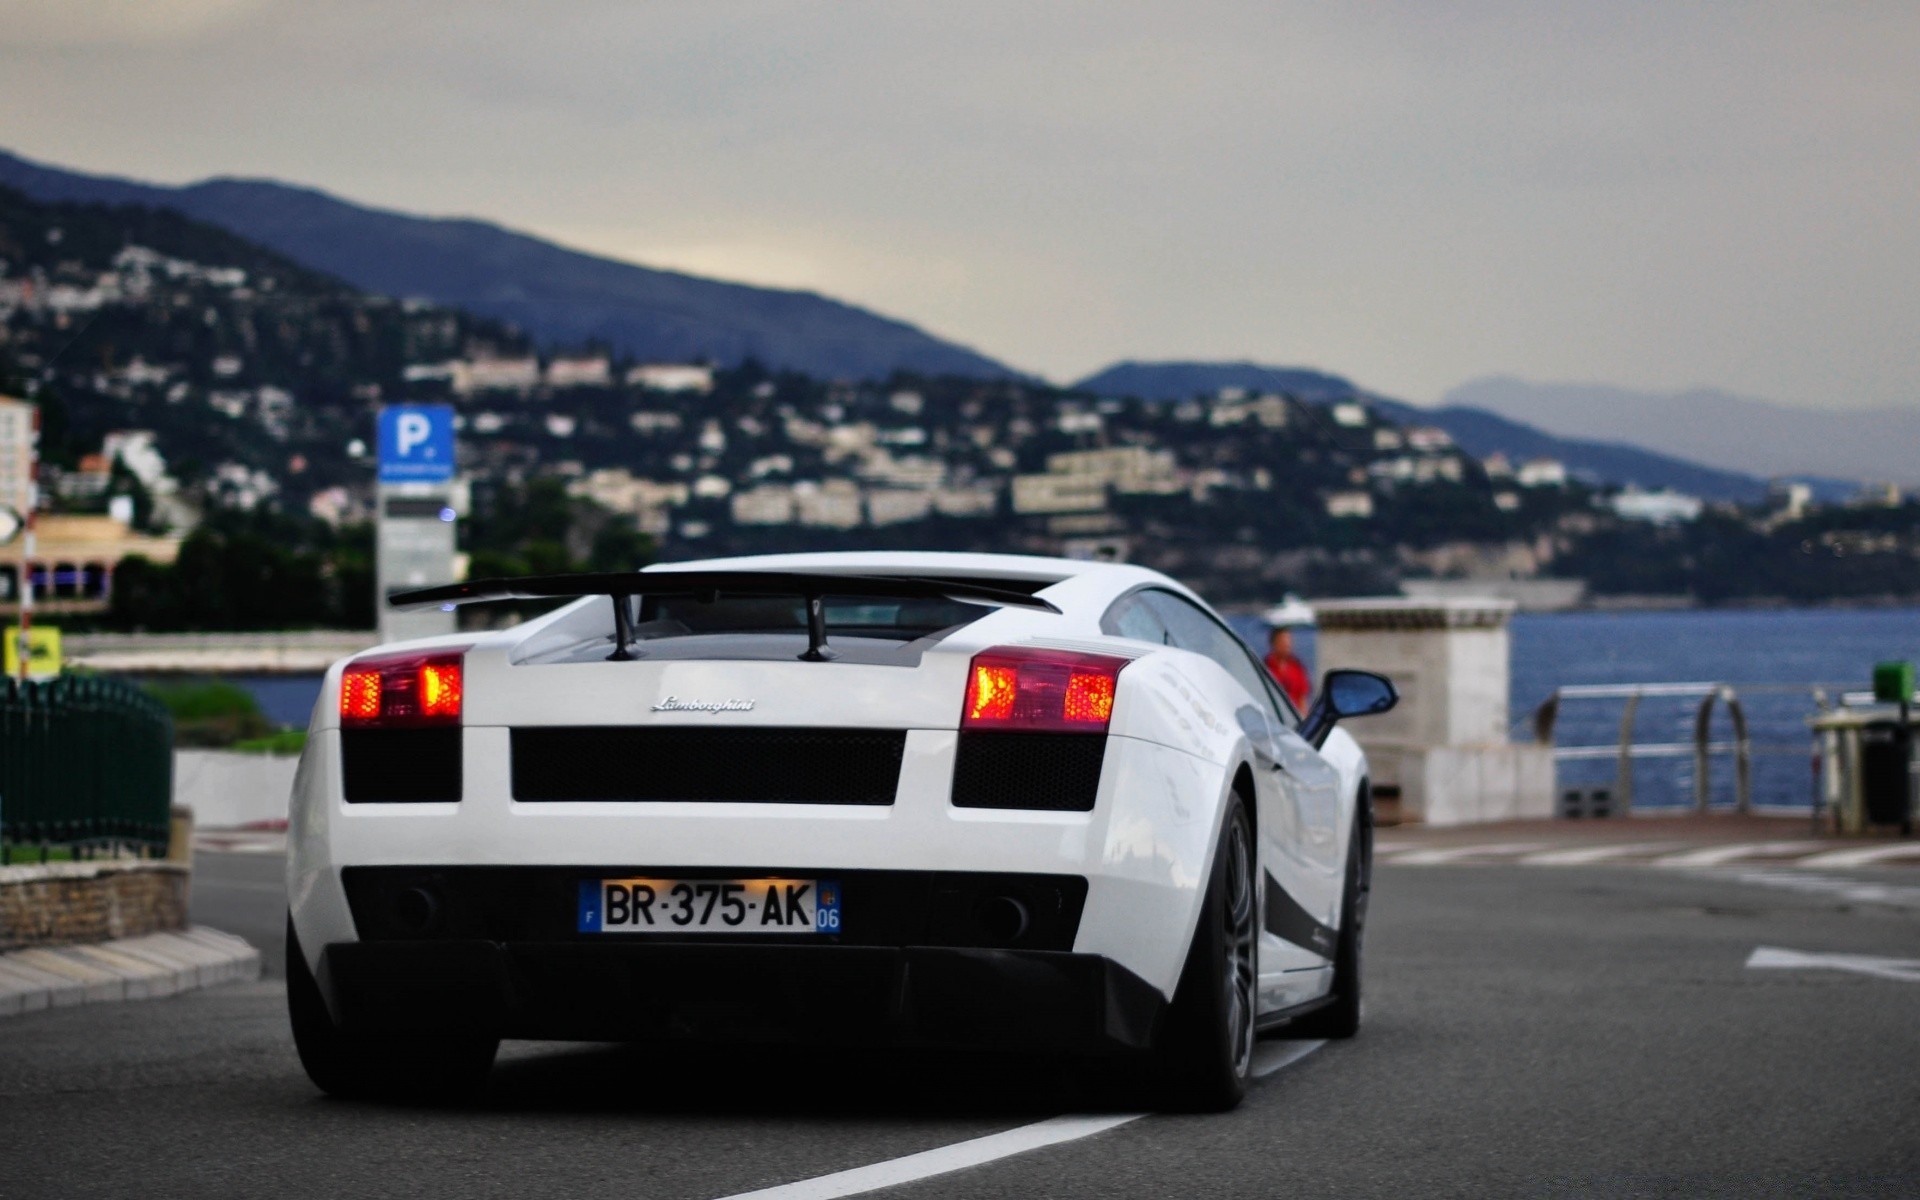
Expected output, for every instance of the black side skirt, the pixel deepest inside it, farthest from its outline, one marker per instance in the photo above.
(1286, 919)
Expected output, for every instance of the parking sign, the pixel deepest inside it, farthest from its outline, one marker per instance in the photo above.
(416, 443)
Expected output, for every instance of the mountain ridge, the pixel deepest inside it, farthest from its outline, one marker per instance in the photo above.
(1713, 427)
(1477, 431)
(557, 294)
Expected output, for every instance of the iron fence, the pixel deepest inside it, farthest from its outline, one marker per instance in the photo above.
(1763, 744)
(86, 762)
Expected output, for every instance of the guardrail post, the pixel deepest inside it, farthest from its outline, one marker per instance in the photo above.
(1703, 755)
(1623, 786)
(1742, 754)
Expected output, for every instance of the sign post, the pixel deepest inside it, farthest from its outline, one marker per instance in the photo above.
(414, 542)
(21, 642)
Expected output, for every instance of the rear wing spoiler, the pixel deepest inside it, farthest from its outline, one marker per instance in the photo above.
(811, 586)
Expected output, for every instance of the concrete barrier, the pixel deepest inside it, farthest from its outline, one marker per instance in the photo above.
(230, 791)
(1444, 752)
(304, 652)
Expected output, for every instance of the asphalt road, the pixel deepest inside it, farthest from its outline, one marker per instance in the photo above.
(1529, 1032)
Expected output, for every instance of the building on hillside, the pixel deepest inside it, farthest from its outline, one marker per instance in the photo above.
(1664, 507)
(16, 454)
(832, 504)
(1350, 504)
(496, 375)
(767, 504)
(894, 506)
(1790, 499)
(1351, 414)
(975, 500)
(1052, 493)
(1128, 470)
(87, 481)
(74, 559)
(1541, 472)
(671, 377)
(580, 371)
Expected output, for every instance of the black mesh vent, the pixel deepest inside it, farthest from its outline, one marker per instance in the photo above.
(764, 766)
(400, 766)
(1056, 771)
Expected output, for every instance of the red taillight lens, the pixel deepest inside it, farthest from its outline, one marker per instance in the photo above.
(359, 695)
(1058, 690)
(412, 689)
(440, 689)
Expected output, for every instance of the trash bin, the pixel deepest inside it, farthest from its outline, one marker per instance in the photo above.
(1886, 773)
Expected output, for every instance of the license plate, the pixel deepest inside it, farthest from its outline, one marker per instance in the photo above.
(709, 906)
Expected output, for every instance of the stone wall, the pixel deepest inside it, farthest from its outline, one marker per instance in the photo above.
(58, 903)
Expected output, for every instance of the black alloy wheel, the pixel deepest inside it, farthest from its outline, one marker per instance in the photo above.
(1206, 1051)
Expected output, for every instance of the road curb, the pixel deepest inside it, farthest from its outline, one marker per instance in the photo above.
(136, 968)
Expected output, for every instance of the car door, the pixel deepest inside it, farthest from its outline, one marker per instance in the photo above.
(1292, 787)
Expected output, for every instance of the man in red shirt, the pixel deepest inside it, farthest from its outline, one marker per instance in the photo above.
(1287, 669)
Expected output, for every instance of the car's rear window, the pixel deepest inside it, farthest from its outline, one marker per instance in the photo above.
(848, 616)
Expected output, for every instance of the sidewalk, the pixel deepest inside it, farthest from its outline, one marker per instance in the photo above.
(1678, 841)
(137, 968)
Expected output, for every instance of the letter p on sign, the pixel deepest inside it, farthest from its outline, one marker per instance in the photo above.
(416, 443)
(414, 429)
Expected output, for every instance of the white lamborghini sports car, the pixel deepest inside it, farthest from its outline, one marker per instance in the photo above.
(955, 800)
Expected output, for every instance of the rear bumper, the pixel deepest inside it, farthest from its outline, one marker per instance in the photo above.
(851, 995)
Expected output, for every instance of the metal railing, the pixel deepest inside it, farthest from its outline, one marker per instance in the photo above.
(1700, 747)
(86, 762)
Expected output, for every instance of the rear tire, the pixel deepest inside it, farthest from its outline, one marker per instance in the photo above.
(403, 1068)
(1341, 1017)
(1205, 1054)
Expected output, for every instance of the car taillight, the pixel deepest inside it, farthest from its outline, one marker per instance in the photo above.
(412, 689)
(1037, 689)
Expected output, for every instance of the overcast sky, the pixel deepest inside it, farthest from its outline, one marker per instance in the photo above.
(1411, 194)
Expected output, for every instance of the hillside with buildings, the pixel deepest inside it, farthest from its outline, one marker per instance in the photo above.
(560, 296)
(215, 402)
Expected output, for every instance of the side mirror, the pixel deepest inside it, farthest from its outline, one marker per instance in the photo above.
(1346, 694)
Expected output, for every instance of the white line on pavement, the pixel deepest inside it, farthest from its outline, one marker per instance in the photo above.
(1268, 1058)
(1854, 891)
(1429, 858)
(1861, 856)
(1906, 970)
(1713, 856)
(1592, 854)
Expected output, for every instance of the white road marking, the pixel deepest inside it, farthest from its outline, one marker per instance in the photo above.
(1840, 887)
(1906, 970)
(241, 842)
(1860, 856)
(1713, 856)
(236, 885)
(1268, 1058)
(1429, 858)
(1592, 854)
